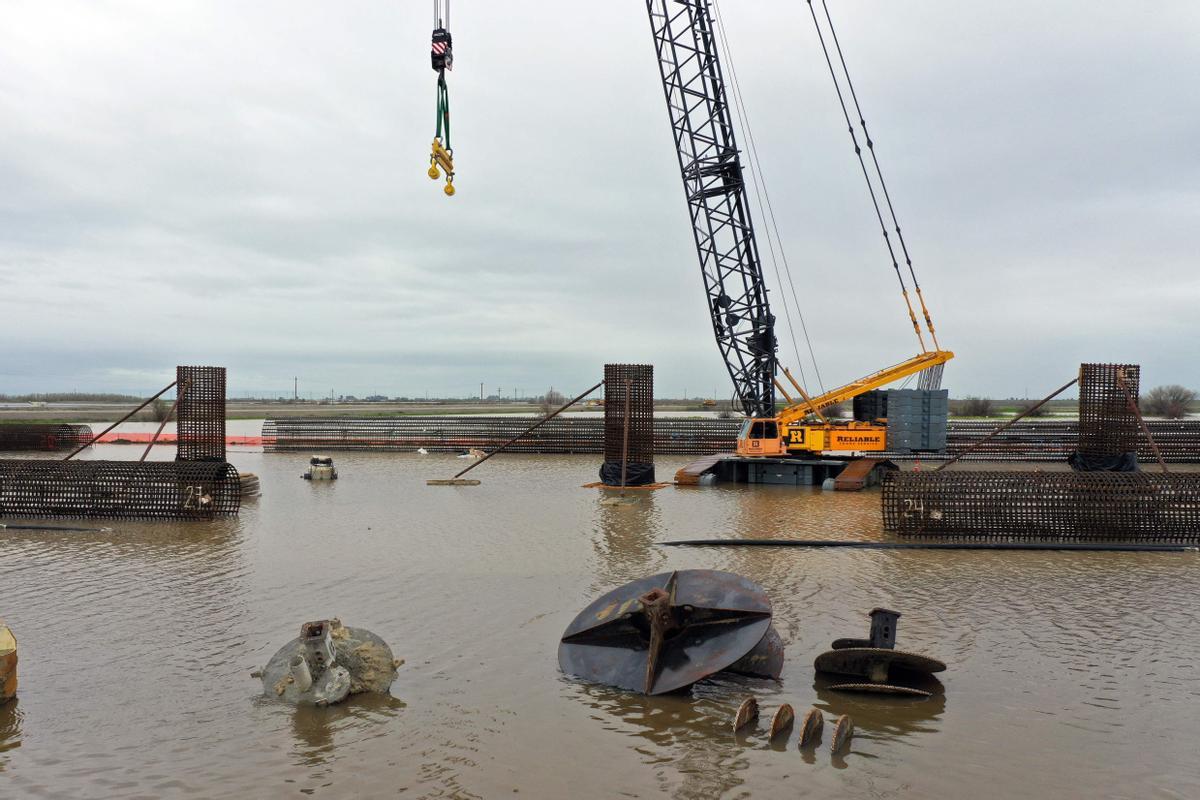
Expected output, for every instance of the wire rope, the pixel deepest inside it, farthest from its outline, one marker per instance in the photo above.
(867, 177)
(767, 210)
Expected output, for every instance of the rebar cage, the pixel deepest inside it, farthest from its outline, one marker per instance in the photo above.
(173, 490)
(43, 436)
(628, 395)
(201, 413)
(1130, 506)
(1107, 425)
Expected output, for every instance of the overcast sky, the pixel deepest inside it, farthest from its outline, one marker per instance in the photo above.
(243, 184)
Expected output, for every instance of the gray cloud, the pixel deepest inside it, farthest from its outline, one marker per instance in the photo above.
(244, 184)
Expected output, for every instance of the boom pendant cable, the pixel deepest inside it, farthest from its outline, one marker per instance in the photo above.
(879, 173)
(767, 210)
(867, 176)
(442, 58)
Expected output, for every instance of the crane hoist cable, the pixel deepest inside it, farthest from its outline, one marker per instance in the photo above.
(442, 58)
(767, 210)
(875, 158)
(867, 176)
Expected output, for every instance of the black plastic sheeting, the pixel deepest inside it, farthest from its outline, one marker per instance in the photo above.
(1092, 462)
(636, 474)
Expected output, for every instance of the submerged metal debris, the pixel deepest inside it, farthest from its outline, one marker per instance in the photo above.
(327, 663)
(320, 468)
(877, 660)
(668, 631)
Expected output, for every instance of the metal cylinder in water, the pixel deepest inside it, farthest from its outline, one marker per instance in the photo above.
(300, 673)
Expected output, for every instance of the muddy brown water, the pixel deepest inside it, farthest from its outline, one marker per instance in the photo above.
(1070, 674)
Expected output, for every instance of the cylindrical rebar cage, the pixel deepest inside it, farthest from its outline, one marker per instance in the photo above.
(1132, 506)
(174, 490)
(201, 413)
(43, 436)
(628, 395)
(1108, 427)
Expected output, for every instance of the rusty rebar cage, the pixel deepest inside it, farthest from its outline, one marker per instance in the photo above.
(162, 489)
(628, 395)
(43, 436)
(1128, 506)
(1107, 426)
(201, 413)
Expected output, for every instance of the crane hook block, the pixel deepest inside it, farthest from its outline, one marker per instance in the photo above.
(441, 157)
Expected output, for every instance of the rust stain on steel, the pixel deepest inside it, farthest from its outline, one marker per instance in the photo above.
(811, 727)
(875, 663)
(1127, 506)
(747, 714)
(843, 729)
(781, 720)
(706, 622)
(880, 688)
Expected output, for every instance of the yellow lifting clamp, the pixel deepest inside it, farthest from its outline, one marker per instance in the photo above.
(444, 158)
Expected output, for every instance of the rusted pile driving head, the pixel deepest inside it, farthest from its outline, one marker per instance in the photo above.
(666, 632)
(877, 660)
(327, 663)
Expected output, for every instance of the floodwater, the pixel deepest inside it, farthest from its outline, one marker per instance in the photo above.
(1070, 674)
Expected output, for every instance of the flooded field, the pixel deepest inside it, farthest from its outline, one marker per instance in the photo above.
(1070, 674)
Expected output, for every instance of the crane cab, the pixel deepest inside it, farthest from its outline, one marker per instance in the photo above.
(761, 437)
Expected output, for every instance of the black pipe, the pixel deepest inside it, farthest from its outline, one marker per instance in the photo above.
(1040, 546)
(6, 527)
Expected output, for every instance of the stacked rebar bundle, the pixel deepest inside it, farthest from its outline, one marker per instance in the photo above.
(43, 436)
(1044, 505)
(1033, 440)
(173, 490)
(201, 413)
(628, 425)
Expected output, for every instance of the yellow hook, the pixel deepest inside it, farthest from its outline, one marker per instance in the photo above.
(449, 190)
(433, 171)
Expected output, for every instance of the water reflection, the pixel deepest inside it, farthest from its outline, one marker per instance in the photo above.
(882, 717)
(10, 728)
(318, 731)
(625, 533)
(678, 732)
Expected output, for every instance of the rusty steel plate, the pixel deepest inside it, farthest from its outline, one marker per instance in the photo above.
(712, 619)
(880, 688)
(842, 644)
(747, 714)
(875, 662)
(765, 660)
(811, 727)
(782, 720)
(843, 729)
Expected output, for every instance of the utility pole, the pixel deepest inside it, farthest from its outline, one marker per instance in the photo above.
(481, 390)
(296, 388)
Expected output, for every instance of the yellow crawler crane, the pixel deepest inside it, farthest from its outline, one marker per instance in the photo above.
(801, 428)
